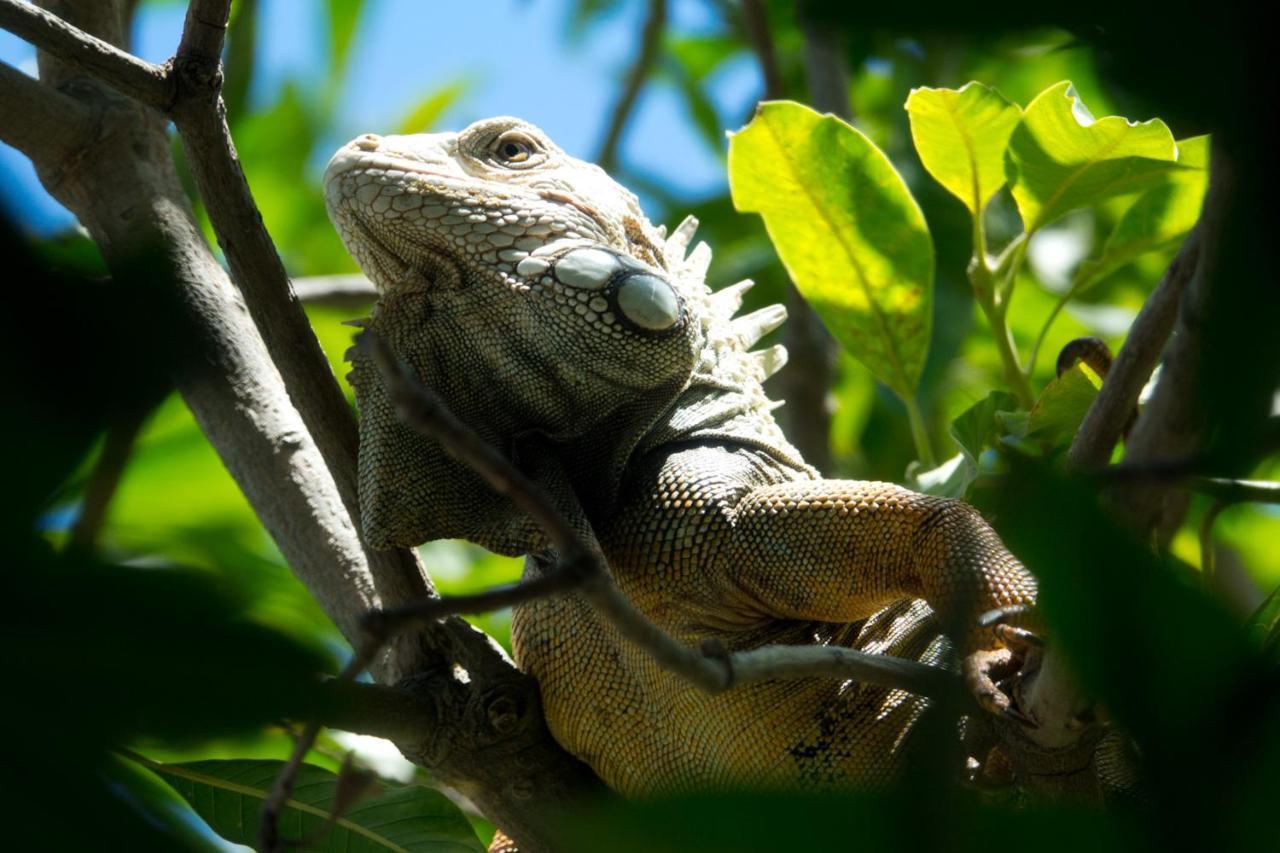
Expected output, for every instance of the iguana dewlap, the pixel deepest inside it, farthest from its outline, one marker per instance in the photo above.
(528, 290)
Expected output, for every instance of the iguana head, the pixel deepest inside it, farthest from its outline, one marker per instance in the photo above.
(529, 291)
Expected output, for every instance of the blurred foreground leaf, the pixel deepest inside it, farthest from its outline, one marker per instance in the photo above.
(1264, 627)
(767, 822)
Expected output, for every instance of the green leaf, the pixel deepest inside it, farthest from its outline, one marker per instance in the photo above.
(847, 230)
(1058, 413)
(1060, 158)
(1159, 219)
(976, 429)
(961, 136)
(426, 113)
(229, 796)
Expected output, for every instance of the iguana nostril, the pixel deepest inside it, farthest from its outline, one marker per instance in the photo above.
(367, 142)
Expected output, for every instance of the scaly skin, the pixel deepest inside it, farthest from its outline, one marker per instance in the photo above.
(623, 384)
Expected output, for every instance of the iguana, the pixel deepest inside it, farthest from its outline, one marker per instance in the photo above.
(528, 290)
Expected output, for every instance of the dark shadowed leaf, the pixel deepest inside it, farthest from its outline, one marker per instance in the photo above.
(229, 796)
(769, 822)
(1139, 632)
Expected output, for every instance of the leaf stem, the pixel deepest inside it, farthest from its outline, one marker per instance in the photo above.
(1044, 330)
(919, 433)
(991, 289)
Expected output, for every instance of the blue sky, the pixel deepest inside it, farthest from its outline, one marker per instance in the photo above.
(514, 54)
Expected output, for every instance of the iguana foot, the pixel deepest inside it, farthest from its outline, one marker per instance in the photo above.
(990, 674)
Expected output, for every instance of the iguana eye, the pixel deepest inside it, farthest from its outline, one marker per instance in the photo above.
(514, 148)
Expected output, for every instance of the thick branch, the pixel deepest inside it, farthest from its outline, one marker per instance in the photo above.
(205, 29)
(1173, 423)
(650, 41)
(376, 709)
(39, 120)
(1111, 409)
(258, 271)
(122, 71)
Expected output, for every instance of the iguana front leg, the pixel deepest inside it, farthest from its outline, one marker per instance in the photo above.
(840, 550)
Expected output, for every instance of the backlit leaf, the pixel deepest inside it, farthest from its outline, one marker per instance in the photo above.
(1061, 158)
(961, 136)
(847, 230)
(1159, 219)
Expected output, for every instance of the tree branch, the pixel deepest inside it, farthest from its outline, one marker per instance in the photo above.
(824, 66)
(1236, 491)
(258, 271)
(650, 41)
(119, 69)
(347, 291)
(1105, 420)
(204, 30)
(492, 739)
(1172, 425)
(756, 24)
(40, 121)
(105, 478)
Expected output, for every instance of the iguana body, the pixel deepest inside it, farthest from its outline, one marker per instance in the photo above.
(528, 290)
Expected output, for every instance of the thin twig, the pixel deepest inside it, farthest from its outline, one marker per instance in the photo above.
(269, 840)
(756, 24)
(824, 66)
(1112, 408)
(104, 480)
(650, 40)
(1236, 491)
(341, 290)
(131, 76)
